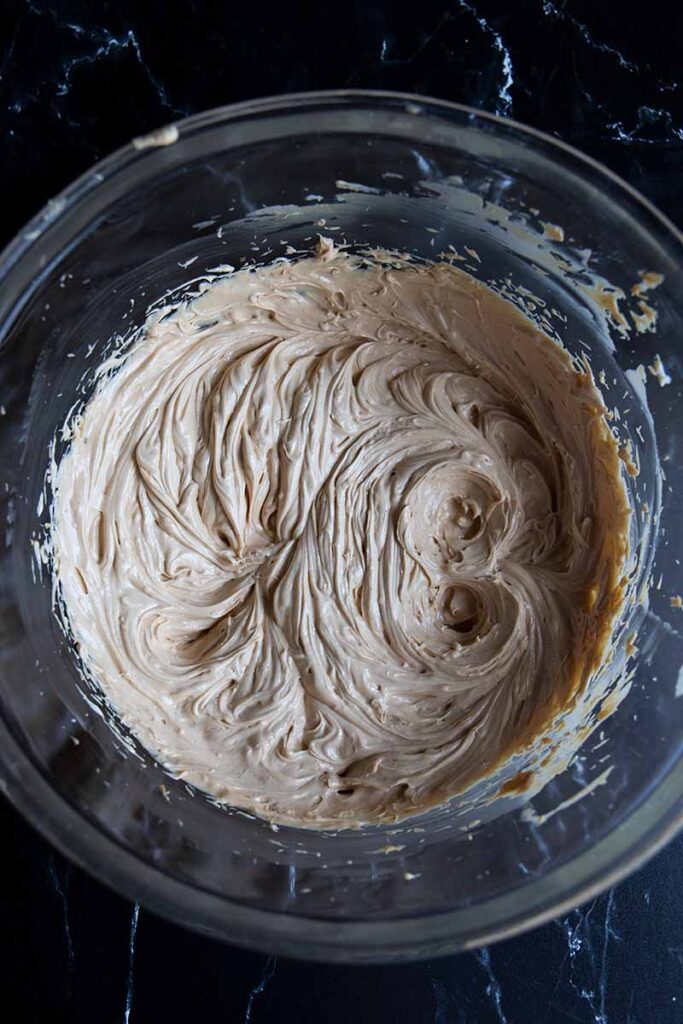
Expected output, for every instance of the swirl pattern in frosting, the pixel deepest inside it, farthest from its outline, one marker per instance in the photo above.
(338, 538)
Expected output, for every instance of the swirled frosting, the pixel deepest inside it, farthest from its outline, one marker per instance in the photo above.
(337, 538)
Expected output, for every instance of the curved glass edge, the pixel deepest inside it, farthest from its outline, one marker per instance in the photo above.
(101, 172)
(655, 823)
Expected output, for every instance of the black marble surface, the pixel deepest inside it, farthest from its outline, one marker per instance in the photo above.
(78, 79)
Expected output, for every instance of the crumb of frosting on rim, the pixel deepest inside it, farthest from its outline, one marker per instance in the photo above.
(165, 136)
(607, 298)
(648, 281)
(552, 231)
(325, 249)
(645, 321)
(658, 371)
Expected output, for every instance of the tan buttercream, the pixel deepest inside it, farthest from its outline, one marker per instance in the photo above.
(335, 540)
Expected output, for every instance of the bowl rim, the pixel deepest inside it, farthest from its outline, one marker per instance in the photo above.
(625, 848)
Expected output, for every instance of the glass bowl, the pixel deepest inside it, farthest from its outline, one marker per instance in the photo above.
(398, 172)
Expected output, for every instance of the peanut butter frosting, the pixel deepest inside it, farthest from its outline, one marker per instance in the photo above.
(339, 536)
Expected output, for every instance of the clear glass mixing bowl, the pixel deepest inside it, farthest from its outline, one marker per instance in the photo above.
(87, 266)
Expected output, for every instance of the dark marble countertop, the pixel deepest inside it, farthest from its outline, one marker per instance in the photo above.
(78, 79)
